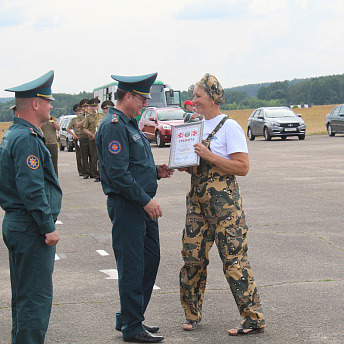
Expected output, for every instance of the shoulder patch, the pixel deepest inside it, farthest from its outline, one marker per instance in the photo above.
(32, 131)
(114, 118)
(115, 147)
(33, 162)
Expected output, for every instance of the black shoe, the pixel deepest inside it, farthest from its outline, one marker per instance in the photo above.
(97, 180)
(144, 337)
(85, 177)
(80, 174)
(151, 329)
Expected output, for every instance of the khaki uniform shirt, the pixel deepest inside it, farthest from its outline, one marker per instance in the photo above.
(49, 132)
(91, 124)
(72, 125)
(82, 134)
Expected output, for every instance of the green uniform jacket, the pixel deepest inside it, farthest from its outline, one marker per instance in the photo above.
(29, 187)
(126, 163)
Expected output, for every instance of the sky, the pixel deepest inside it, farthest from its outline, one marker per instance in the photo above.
(239, 41)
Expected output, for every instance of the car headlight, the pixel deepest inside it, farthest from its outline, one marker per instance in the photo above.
(275, 124)
(166, 126)
(302, 122)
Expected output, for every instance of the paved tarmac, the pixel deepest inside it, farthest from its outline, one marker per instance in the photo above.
(293, 199)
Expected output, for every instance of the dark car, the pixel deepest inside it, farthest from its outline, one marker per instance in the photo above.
(275, 121)
(335, 121)
(157, 123)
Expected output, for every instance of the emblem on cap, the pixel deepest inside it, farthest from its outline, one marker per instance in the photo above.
(115, 147)
(33, 162)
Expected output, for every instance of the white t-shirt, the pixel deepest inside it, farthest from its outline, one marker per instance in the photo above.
(229, 139)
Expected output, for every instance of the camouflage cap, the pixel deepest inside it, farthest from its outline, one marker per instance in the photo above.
(213, 87)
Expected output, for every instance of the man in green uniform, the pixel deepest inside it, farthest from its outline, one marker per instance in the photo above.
(83, 139)
(90, 127)
(49, 129)
(75, 132)
(129, 178)
(30, 195)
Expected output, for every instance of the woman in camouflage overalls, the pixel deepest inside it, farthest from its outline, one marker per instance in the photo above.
(214, 214)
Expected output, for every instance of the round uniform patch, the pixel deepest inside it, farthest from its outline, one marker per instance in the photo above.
(115, 147)
(33, 162)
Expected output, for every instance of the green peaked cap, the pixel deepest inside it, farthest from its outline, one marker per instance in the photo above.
(140, 84)
(40, 87)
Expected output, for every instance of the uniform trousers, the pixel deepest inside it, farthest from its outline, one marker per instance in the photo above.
(53, 149)
(31, 267)
(85, 156)
(94, 159)
(78, 156)
(135, 241)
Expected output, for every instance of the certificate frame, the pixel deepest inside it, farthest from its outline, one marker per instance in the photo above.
(184, 136)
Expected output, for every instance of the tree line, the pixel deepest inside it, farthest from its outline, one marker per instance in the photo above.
(312, 91)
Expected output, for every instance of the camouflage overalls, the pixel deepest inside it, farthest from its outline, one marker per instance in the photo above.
(214, 214)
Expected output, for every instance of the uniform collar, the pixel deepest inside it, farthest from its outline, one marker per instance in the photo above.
(21, 121)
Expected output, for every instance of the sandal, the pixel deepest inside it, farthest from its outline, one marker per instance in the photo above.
(189, 325)
(241, 331)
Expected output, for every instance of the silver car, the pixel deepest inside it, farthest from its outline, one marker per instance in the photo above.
(275, 121)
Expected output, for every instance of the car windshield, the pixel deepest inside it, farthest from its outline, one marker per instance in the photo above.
(170, 115)
(277, 113)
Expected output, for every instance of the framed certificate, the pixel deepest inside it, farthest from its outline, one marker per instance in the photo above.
(182, 151)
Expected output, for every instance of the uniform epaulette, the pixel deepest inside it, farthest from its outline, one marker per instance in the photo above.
(32, 131)
(114, 118)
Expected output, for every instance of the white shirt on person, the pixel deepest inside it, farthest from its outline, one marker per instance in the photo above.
(229, 139)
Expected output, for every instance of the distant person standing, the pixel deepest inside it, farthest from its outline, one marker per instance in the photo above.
(31, 196)
(49, 130)
(191, 115)
(75, 132)
(90, 127)
(83, 139)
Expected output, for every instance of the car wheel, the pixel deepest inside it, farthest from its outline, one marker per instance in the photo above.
(61, 147)
(267, 135)
(158, 139)
(302, 137)
(329, 130)
(70, 148)
(250, 136)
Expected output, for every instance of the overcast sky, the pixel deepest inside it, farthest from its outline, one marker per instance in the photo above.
(239, 41)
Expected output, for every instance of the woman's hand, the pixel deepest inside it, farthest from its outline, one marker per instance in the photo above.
(203, 151)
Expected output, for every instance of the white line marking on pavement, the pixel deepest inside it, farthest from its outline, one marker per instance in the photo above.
(113, 274)
(60, 256)
(59, 222)
(102, 252)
